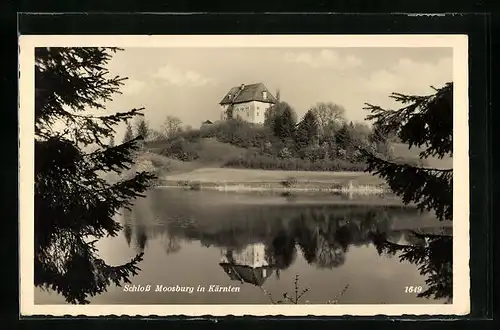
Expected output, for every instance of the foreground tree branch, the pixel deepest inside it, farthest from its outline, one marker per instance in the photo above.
(423, 121)
(75, 206)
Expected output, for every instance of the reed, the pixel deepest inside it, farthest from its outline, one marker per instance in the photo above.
(298, 293)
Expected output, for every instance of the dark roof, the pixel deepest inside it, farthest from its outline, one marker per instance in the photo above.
(207, 122)
(246, 274)
(246, 93)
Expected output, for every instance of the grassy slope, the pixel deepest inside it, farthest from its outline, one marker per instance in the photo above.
(213, 154)
(402, 151)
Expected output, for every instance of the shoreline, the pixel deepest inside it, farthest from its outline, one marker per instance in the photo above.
(285, 182)
(330, 188)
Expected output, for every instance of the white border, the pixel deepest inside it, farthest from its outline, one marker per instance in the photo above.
(459, 43)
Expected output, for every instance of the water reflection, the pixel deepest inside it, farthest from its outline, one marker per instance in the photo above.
(249, 265)
(432, 254)
(257, 242)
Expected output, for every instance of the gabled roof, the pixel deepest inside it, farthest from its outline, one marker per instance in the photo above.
(247, 93)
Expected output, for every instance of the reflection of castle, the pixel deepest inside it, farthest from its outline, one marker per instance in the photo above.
(248, 265)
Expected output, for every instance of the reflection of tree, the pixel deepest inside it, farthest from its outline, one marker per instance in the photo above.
(127, 228)
(343, 237)
(412, 239)
(322, 235)
(434, 260)
(329, 255)
(127, 232)
(141, 237)
(172, 244)
(282, 251)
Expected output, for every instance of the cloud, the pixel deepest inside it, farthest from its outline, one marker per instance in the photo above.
(323, 58)
(174, 76)
(132, 86)
(408, 76)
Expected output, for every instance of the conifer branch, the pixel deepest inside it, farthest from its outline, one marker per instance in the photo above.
(73, 202)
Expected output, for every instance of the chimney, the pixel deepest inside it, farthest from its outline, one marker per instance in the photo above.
(242, 86)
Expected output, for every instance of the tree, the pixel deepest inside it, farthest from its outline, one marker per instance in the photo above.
(343, 137)
(142, 129)
(361, 133)
(272, 113)
(276, 110)
(328, 115)
(423, 121)
(112, 141)
(381, 135)
(129, 135)
(74, 205)
(307, 131)
(171, 126)
(284, 124)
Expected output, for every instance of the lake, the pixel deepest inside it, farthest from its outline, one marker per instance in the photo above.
(253, 248)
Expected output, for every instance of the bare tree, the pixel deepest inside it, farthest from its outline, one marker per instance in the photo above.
(328, 114)
(171, 126)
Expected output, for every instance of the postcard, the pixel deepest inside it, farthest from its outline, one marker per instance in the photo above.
(240, 175)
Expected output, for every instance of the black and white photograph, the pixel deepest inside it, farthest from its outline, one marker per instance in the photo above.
(244, 175)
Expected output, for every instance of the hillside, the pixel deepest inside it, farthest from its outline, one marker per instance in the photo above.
(208, 171)
(401, 151)
(211, 153)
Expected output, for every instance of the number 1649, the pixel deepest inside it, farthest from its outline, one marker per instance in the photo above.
(413, 289)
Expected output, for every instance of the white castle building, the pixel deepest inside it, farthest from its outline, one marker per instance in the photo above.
(247, 102)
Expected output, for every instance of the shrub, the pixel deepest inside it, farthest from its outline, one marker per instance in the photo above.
(313, 153)
(180, 148)
(294, 164)
(285, 153)
(213, 151)
(289, 182)
(191, 136)
(195, 186)
(413, 161)
(236, 132)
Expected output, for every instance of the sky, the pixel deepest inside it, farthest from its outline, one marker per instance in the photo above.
(190, 82)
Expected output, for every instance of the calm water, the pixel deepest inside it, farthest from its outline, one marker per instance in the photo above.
(255, 243)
